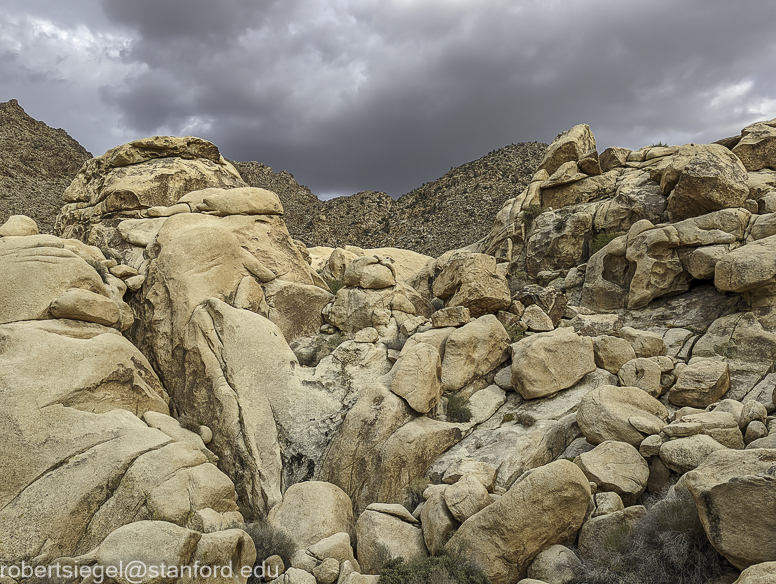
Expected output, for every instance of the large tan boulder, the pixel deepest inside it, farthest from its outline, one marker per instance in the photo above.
(549, 362)
(438, 523)
(18, 225)
(700, 384)
(751, 271)
(568, 146)
(473, 350)
(370, 272)
(545, 508)
(625, 414)
(701, 179)
(236, 201)
(417, 377)
(466, 497)
(758, 574)
(472, 280)
(685, 454)
(734, 493)
(333, 513)
(611, 353)
(757, 147)
(617, 467)
(387, 530)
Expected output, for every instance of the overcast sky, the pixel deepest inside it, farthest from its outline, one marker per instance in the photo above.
(354, 95)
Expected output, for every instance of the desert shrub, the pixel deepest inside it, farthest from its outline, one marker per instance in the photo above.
(335, 284)
(601, 240)
(446, 569)
(458, 408)
(515, 332)
(658, 145)
(530, 213)
(508, 418)
(270, 541)
(666, 546)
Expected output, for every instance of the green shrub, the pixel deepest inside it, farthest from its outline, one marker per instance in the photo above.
(508, 418)
(458, 408)
(530, 213)
(335, 284)
(601, 240)
(444, 569)
(515, 332)
(270, 541)
(666, 546)
(658, 145)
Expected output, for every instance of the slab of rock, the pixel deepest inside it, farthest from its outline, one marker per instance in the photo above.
(645, 344)
(80, 304)
(333, 513)
(700, 384)
(736, 499)
(451, 316)
(763, 573)
(535, 319)
(617, 467)
(546, 363)
(417, 377)
(596, 533)
(466, 497)
(473, 350)
(605, 413)
(545, 508)
(240, 201)
(437, 521)
(642, 373)
(472, 280)
(396, 535)
(568, 146)
(557, 564)
(483, 472)
(757, 147)
(684, 454)
(611, 353)
(370, 272)
(751, 271)
(722, 426)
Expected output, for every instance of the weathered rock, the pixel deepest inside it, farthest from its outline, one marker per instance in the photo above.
(552, 301)
(535, 319)
(611, 353)
(466, 497)
(751, 271)
(333, 513)
(473, 350)
(757, 147)
(472, 281)
(555, 565)
(613, 157)
(417, 377)
(758, 574)
(701, 179)
(605, 414)
(294, 307)
(606, 502)
(596, 533)
(645, 344)
(642, 373)
(617, 467)
(396, 535)
(547, 363)
(452, 316)
(18, 225)
(685, 454)
(437, 521)
(370, 272)
(721, 426)
(568, 146)
(545, 508)
(593, 188)
(483, 472)
(735, 496)
(700, 384)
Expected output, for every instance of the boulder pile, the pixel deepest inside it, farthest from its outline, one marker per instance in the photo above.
(185, 383)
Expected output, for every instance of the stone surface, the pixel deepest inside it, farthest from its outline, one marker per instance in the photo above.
(617, 467)
(555, 565)
(642, 373)
(473, 350)
(545, 508)
(604, 414)
(547, 363)
(472, 281)
(757, 147)
(18, 225)
(700, 384)
(685, 454)
(417, 377)
(734, 493)
(466, 497)
(611, 353)
(393, 534)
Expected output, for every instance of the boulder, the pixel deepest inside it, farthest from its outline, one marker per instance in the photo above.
(701, 179)
(536, 320)
(452, 316)
(483, 472)
(437, 521)
(568, 146)
(736, 499)
(472, 281)
(472, 351)
(549, 362)
(611, 353)
(685, 454)
(294, 307)
(466, 497)
(757, 147)
(642, 373)
(393, 534)
(751, 271)
(758, 574)
(333, 513)
(555, 565)
(552, 301)
(237, 201)
(597, 534)
(18, 225)
(617, 467)
(370, 272)
(645, 344)
(722, 426)
(609, 413)
(700, 384)
(417, 377)
(545, 508)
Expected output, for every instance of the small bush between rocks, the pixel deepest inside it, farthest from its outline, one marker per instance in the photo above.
(515, 332)
(666, 546)
(335, 285)
(530, 213)
(601, 240)
(444, 569)
(270, 541)
(458, 408)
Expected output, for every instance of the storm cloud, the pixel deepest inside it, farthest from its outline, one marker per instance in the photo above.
(354, 95)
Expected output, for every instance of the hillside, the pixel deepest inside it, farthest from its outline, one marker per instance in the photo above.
(37, 163)
(451, 212)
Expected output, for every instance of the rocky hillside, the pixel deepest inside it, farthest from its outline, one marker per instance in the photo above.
(451, 212)
(37, 163)
(585, 396)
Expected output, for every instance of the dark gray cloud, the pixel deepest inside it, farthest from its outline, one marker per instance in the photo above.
(352, 95)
